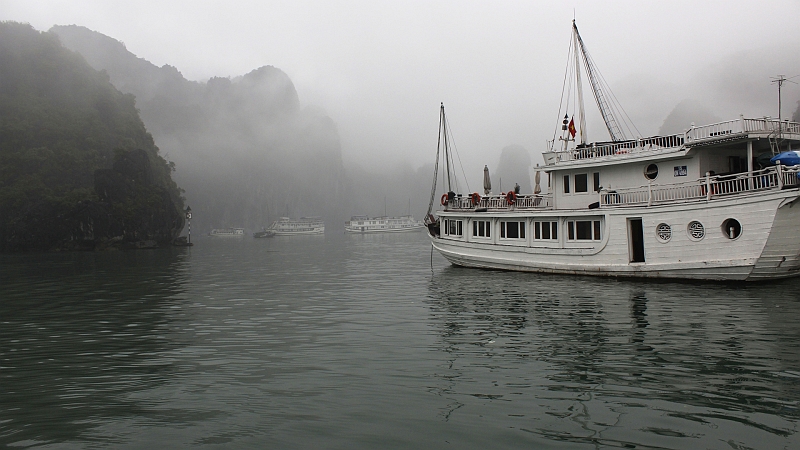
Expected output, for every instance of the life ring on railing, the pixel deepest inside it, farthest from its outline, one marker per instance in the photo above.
(511, 197)
(444, 200)
(475, 198)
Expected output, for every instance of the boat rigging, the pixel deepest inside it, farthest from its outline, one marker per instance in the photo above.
(613, 114)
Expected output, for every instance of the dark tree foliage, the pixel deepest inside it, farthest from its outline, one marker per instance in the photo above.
(62, 124)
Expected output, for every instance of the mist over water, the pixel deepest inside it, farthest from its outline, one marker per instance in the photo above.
(363, 342)
(342, 341)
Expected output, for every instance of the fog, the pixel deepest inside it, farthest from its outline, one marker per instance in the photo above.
(369, 77)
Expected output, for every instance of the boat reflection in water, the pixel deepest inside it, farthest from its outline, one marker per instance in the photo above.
(658, 365)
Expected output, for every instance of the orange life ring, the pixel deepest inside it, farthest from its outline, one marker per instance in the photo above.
(444, 200)
(511, 197)
(475, 197)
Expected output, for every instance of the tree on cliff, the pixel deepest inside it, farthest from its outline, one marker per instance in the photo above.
(61, 122)
(247, 150)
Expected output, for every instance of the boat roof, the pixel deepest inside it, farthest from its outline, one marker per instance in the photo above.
(672, 146)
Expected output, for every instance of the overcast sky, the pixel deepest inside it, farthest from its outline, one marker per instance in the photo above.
(380, 69)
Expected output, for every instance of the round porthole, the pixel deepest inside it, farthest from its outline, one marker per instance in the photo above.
(651, 172)
(731, 228)
(664, 232)
(696, 230)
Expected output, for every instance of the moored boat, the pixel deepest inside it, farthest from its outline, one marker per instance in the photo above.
(227, 232)
(286, 226)
(368, 225)
(693, 205)
(265, 233)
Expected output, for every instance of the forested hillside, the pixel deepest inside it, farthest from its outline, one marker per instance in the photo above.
(78, 169)
(245, 150)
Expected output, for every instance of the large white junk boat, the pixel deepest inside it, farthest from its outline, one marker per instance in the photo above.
(227, 232)
(716, 202)
(285, 226)
(366, 225)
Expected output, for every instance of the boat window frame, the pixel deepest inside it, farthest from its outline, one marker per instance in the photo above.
(482, 228)
(595, 230)
(552, 230)
(449, 225)
(520, 229)
(583, 188)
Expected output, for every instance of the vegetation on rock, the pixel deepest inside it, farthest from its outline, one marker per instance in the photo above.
(67, 137)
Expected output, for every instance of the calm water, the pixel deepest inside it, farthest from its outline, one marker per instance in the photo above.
(353, 342)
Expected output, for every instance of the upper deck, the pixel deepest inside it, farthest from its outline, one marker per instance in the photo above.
(706, 189)
(645, 148)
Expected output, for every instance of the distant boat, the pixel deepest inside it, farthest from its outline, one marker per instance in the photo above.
(227, 232)
(265, 233)
(364, 225)
(286, 226)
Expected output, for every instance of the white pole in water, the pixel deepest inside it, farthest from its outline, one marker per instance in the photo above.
(189, 221)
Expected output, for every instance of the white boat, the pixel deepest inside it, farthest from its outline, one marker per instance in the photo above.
(227, 232)
(285, 226)
(365, 225)
(693, 205)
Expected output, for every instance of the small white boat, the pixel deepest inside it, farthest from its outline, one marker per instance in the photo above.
(227, 232)
(364, 225)
(286, 226)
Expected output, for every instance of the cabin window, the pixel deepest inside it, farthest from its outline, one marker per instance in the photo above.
(737, 164)
(512, 230)
(453, 227)
(545, 231)
(566, 184)
(581, 182)
(731, 228)
(481, 228)
(583, 230)
(651, 172)
(596, 181)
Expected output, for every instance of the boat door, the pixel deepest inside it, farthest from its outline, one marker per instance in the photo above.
(635, 240)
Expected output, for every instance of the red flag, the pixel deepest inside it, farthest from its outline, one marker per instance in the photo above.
(571, 128)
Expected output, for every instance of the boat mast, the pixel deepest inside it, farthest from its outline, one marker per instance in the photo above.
(608, 117)
(578, 86)
(436, 164)
(443, 130)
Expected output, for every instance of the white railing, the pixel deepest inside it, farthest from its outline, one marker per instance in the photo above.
(740, 126)
(622, 148)
(500, 202)
(711, 132)
(706, 188)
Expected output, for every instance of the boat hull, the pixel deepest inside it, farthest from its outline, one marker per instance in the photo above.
(767, 248)
(299, 233)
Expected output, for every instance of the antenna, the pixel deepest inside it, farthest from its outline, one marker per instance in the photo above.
(780, 79)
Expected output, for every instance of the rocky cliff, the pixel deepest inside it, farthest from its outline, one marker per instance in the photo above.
(78, 169)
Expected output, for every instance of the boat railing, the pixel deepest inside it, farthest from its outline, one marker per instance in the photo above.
(705, 188)
(500, 202)
(740, 126)
(694, 135)
(633, 146)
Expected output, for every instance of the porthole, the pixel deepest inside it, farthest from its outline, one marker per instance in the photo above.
(664, 232)
(696, 230)
(651, 172)
(731, 228)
